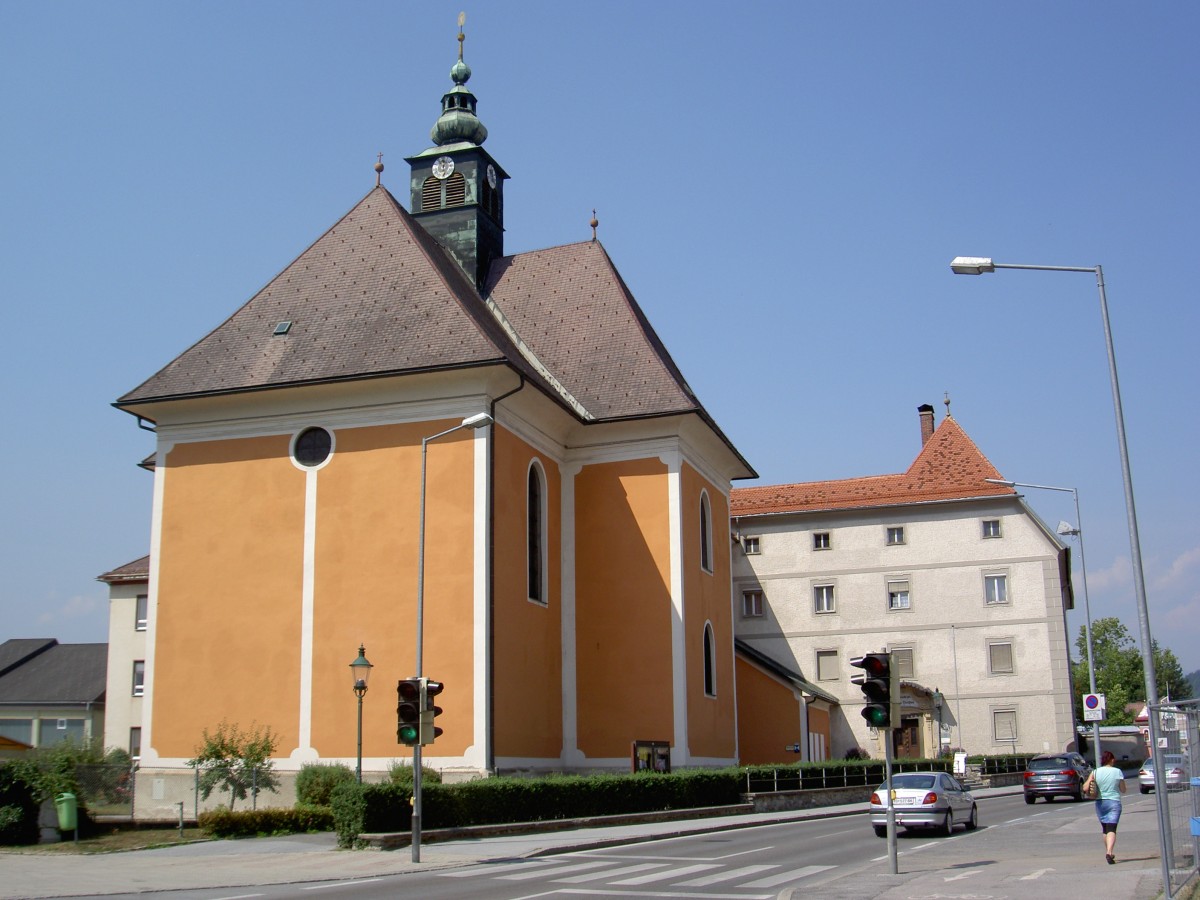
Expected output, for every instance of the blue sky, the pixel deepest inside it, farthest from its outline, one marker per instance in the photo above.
(782, 185)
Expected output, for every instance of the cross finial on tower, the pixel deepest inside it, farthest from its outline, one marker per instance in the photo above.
(378, 169)
(594, 223)
(462, 20)
(946, 395)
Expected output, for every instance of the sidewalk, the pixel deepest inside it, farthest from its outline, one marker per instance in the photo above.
(1073, 867)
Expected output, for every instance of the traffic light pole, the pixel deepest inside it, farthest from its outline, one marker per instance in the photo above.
(891, 805)
(416, 810)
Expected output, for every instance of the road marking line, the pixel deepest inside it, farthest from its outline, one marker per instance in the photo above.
(1035, 875)
(743, 872)
(542, 871)
(321, 887)
(784, 877)
(607, 873)
(670, 873)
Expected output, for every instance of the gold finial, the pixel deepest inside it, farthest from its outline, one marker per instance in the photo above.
(946, 395)
(594, 223)
(462, 20)
(378, 169)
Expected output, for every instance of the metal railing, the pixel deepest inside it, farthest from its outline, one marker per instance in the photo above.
(1179, 747)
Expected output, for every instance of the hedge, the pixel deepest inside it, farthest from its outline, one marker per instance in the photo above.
(223, 822)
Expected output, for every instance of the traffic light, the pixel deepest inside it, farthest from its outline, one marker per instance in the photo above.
(878, 687)
(429, 690)
(408, 711)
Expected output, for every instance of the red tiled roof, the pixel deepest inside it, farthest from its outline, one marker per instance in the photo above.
(949, 467)
(138, 570)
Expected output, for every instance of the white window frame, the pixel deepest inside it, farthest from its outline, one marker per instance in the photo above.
(894, 536)
(991, 659)
(832, 657)
(752, 544)
(990, 532)
(899, 653)
(822, 540)
(824, 598)
(139, 678)
(989, 579)
(752, 604)
(706, 526)
(141, 612)
(898, 580)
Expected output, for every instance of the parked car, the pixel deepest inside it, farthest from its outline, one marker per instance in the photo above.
(925, 800)
(1055, 775)
(1175, 771)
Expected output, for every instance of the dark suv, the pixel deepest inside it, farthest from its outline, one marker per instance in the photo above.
(1055, 775)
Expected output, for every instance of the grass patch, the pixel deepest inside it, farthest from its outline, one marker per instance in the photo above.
(115, 840)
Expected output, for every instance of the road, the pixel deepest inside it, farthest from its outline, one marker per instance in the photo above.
(771, 862)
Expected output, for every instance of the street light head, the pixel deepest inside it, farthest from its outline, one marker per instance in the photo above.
(479, 420)
(971, 265)
(361, 670)
(1068, 529)
(1003, 482)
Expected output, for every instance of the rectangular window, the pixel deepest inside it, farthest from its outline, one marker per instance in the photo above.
(751, 545)
(821, 540)
(140, 615)
(995, 589)
(1000, 658)
(895, 535)
(898, 595)
(827, 665)
(20, 730)
(1004, 726)
(991, 528)
(135, 743)
(139, 677)
(902, 659)
(752, 604)
(823, 600)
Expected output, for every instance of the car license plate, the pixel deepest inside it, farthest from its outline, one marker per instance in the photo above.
(905, 801)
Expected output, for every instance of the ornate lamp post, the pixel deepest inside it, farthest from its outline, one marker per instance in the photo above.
(361, 669)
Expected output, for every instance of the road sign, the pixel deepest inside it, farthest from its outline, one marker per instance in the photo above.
(1093, 708)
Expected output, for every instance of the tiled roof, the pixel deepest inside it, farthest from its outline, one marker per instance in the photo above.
(138, 570)
(949, 467)
(60, 674)
(375, 295)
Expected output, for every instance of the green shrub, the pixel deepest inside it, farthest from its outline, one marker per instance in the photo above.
(18, 808)
(223, 822)
(402, 773)
(315, 781)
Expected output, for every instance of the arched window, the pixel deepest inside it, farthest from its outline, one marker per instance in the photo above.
(535, 520)
(706, 546)
(710, 661)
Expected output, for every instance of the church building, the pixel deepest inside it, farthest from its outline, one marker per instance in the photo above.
(406, 385)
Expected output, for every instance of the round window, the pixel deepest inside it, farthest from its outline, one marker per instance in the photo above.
(313, 446)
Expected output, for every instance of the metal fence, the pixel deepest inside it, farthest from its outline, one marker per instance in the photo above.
(1179, 749)
(106, 790)
(794, 778)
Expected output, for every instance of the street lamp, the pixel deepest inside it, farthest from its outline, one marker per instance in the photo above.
(978, 265)
(361, 670)
(479, 420)
(1065, 528)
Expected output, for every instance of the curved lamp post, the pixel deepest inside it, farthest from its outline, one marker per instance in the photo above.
(479, 420)
(361, 669)
(979, 265)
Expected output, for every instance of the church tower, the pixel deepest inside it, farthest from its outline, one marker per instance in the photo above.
(457, 188)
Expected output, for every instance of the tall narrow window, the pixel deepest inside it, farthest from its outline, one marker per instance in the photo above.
(135, 743)
(139, 677)
(535, 518)
(139, 621)
(823, 600)
(710, 661)
(1004, 726)
(995, 589)
(705, 533)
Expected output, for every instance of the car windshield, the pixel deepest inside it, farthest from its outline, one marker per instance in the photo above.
(1049, 762)
(913, 782)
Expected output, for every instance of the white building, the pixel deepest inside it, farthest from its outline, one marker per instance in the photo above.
(127, 612)
(956, 577)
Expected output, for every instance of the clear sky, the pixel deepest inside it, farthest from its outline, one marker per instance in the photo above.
(782, 186)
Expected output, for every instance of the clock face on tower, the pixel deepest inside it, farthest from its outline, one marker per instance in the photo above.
(491, 176)
(442, 167)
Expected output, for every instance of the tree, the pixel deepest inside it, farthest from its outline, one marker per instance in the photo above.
(1120, 675)
(237, 761)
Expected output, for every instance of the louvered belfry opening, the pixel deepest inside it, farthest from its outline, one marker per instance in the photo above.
(431, 194)
(437, 193)
(456, 190)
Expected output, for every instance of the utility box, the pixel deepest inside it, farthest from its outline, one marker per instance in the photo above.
(68, 811)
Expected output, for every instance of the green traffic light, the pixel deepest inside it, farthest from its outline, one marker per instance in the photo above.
(876, 716)
(407, 734)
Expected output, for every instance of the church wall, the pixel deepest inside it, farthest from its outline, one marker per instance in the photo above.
(622, 607)
(769, 714)
(711, 720)
(527, 687)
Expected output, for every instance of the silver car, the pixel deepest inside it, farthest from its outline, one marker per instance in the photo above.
(1175, 773)
(933, 800)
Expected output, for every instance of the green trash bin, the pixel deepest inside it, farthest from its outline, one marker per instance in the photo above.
(68, 811)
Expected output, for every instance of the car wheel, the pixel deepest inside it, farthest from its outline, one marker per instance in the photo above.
(947, 827)
(1144, 790)
(1079, 796)
(881, 831)
(1030, 799)
(973, 821)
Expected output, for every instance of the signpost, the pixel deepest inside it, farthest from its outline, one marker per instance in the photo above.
(1094, 709)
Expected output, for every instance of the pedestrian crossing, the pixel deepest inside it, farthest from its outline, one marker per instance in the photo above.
(572, 875)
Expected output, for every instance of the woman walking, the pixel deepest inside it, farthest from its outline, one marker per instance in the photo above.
(1111, 784)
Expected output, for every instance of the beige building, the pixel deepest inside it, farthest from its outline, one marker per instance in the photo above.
(127, 619)
(955, 576)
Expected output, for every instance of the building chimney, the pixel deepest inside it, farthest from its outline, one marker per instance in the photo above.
(925, 411)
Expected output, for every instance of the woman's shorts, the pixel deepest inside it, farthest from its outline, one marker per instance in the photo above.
(1108, 811)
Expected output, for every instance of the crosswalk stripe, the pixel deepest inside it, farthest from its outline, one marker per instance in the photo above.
(542, 872)
(783, 877)
(493, 869)
(667, 875)
(607, 873)
(730, 875)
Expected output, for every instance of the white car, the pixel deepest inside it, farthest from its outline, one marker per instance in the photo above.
(933, 800)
